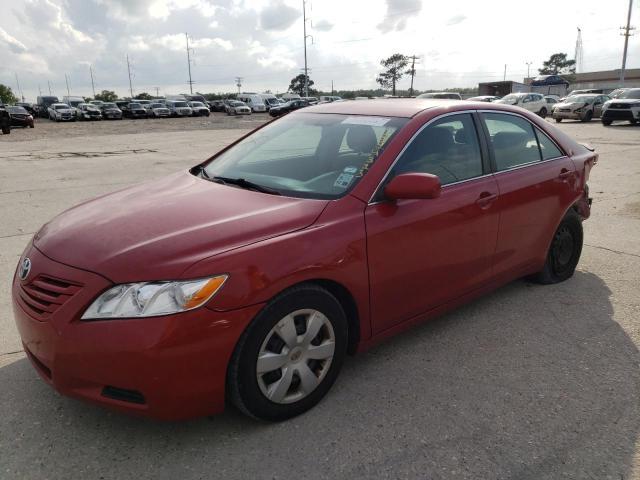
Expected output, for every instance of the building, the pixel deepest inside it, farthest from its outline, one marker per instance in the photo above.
(607, 80)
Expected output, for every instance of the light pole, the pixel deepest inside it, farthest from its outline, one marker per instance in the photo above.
(528, 67)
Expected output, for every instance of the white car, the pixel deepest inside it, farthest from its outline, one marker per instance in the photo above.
(254, 101)
(234, 107)
(534, 102)
(199, 109)
(626, 106)
(158, 110)
(61, 112)
(179, 108)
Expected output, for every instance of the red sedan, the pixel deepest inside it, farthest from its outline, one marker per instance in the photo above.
(251, 276)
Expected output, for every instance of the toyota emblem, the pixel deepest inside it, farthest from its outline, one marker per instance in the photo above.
(25, 268)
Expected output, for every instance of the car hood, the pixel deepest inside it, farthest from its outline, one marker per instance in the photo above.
(571, 105)
(156, 230)
(623, 100)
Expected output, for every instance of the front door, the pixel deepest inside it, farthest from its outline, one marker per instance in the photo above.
(423, 253)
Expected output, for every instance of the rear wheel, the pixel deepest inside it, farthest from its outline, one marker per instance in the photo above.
(564, 251)
(6, 129)
(543, 112)
(558, 120)
(606, 123)
(289, 356)
(587, 116)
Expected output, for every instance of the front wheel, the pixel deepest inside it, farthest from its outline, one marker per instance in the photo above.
(587, 116)
(6, 128)
(564, 251)
(290, 355)
(543, 112)
(606, 123)
(558, 120)
(633, 122)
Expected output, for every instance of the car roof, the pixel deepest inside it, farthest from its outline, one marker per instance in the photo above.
(392, 107)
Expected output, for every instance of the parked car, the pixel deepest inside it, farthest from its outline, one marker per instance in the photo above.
(290, 106)
(311, 100)
(43, 104)
(270, 100)
(534, 102)
(626, 106)
(61, 112)
(585, 90)
(159, 110)
(110, 111)
(73, 102)
(97, 103)
(217, 105)
(199, 109)
(441, 95)
(236, 107)
(29, 107)
(581, 107)
(551, 101)
(5, 120)
(179, 108)
(87, 111)
(545, 80)
(250, 277)
(135, 110)
(19, 116)
(253, 100)
(484, 98)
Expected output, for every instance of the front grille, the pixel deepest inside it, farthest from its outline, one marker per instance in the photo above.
(624, 115)
(43, 295)
(620, 105)
(18, 116)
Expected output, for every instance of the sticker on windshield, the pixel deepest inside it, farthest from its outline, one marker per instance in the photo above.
(343, 180)
(361, 120)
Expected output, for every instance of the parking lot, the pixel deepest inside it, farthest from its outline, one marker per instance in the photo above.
(530, 382)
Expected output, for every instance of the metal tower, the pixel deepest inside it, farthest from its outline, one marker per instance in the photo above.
(579, 54)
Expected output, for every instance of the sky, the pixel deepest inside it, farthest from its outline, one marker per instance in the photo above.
(459, 42)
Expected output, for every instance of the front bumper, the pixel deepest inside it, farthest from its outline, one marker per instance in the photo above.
(572, 115)
(621, 114)
(172, 367)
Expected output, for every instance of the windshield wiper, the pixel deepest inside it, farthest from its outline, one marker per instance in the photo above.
(242, 183)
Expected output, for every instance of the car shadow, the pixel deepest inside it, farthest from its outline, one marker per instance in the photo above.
(530, 382)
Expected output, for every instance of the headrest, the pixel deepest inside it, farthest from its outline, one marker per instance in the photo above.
(361, 138)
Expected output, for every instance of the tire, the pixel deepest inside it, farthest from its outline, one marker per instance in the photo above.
(564, 251)
(279, 393)
(587, 116)
(543, 112)
(606, 123)
(6, 129)
(558, 120)
(633, 122)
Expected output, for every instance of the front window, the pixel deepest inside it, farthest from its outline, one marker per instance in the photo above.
(157, 105)
(61, 107)
(308, 155)
(510, 100)
(135, 105)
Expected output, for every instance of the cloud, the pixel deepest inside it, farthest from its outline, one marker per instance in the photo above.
(456, 19)
(15, 45)
(398, 12)
(323, 25)
(278, 16)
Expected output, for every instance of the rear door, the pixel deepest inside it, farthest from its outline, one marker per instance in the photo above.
(423, 253)
(536, 181)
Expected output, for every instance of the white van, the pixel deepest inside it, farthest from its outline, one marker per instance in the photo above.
(253, 101)
(270, 100)
(290, 96)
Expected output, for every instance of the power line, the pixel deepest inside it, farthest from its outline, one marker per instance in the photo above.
(239, 83)
(626, 35)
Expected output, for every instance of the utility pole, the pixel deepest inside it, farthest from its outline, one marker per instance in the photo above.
(39, 90)
(239, 84)
(626, 35)
(504, 77)
(66, 79)
(304, 27)
(49, 83)
(412, 72)
(331, 87)
(186, 35)
(528, 64)
(129, 70)
(19, 89)
(157, 91)
(93, 86)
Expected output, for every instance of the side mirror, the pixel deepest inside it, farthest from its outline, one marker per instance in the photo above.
(413, 186)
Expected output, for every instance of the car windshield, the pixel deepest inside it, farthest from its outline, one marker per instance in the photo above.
(61, 107)
(109, 105)
(580, 99)
(157, 105)
(197, 104)
(633, 93)
(180, 104)
(308, 155)
(272, 101)
(135, 105)
(510, 99)
(16, 110)
(236, 104)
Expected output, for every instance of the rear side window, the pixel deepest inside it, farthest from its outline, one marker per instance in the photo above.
(447, 148)
(513, 139)
(548, 149)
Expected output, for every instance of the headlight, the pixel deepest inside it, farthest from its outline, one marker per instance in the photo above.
(150, 299)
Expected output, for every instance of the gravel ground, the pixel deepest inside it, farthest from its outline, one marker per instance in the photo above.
(530, 382)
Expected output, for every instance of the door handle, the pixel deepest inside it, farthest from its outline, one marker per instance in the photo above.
(565, 174)
(486, 199)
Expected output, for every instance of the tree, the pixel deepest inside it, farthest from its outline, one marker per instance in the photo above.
(6, 95)
(297, 84)
(107, 96)
(144, 96)
(558, 64)
(395, 68)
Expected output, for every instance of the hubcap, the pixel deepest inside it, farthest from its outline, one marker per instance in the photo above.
(562, 249)
(295, 356)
